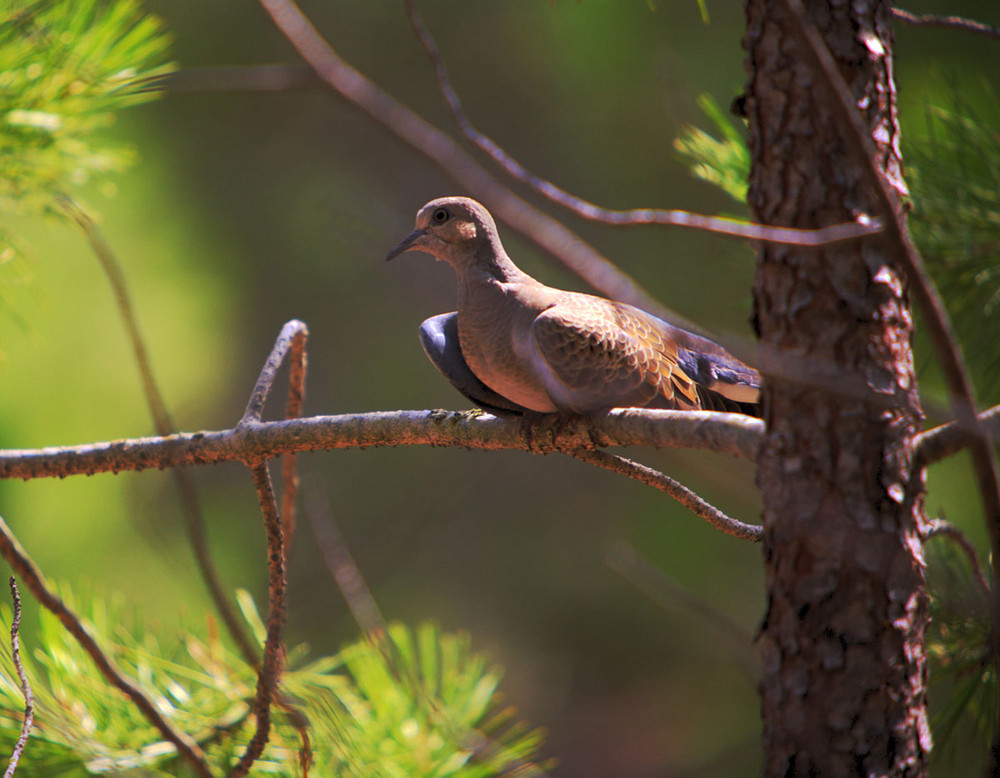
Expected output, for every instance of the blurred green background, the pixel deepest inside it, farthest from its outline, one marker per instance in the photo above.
(247, 209)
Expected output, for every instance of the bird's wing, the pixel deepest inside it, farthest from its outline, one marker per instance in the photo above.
(439, 337)
(592, 354)
(714, 368)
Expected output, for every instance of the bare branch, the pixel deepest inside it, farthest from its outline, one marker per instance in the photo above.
(941, 442)
(953, 533)
(588, 210)
(29, 698)
(254, 442)
(22, 564)
(291, 338)
(292, 341)
(164, 425)
(293, 410)
(675, 489)
(722, 432)
(954, 22)
(270, 671)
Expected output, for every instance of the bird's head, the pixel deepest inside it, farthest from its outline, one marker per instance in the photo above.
(457, 230)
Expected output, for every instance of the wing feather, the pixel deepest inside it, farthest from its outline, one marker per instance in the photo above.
(593, 354)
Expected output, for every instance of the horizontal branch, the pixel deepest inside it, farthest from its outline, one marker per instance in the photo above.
(725, 433)
(728, 433)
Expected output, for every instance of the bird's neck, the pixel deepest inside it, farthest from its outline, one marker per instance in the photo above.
(493, 265)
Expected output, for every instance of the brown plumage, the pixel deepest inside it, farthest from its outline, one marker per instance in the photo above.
(547, 350)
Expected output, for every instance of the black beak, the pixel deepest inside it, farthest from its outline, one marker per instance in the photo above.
(410, 241)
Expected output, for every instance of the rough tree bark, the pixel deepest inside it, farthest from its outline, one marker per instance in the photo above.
(843, 688)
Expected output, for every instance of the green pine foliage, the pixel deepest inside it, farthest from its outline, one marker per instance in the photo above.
(724, 162)
(66, 68)
(420, 704)
(963, 684)
(955, 180)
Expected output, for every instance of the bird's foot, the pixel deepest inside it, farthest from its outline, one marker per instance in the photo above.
(545, 433)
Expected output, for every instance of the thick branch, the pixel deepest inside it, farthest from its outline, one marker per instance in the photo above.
(941, 442)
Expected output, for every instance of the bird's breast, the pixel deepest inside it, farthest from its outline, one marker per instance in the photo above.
(492, 322)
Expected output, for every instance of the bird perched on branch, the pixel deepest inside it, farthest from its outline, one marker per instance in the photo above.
(516, 345)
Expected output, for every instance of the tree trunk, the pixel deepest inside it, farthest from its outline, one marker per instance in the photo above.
(843, 688)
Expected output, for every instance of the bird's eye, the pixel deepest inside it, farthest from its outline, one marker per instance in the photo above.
(440, 216)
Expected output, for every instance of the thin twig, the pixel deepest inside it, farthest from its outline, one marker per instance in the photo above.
(675, 489)
(290, 339)
(270, 670)
(356, 593)
(954, 22)
(112, 268)
(667, 593)
(29, 698)
(953, 533)
(164, 425)
(588, 210)
(206, 565)
(289, 490)
(22, 564)
(340, 562)
(293, 410)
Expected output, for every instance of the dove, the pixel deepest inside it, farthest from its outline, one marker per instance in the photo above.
(516, 345)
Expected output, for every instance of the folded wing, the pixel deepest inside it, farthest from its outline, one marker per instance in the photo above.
(592, 354)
